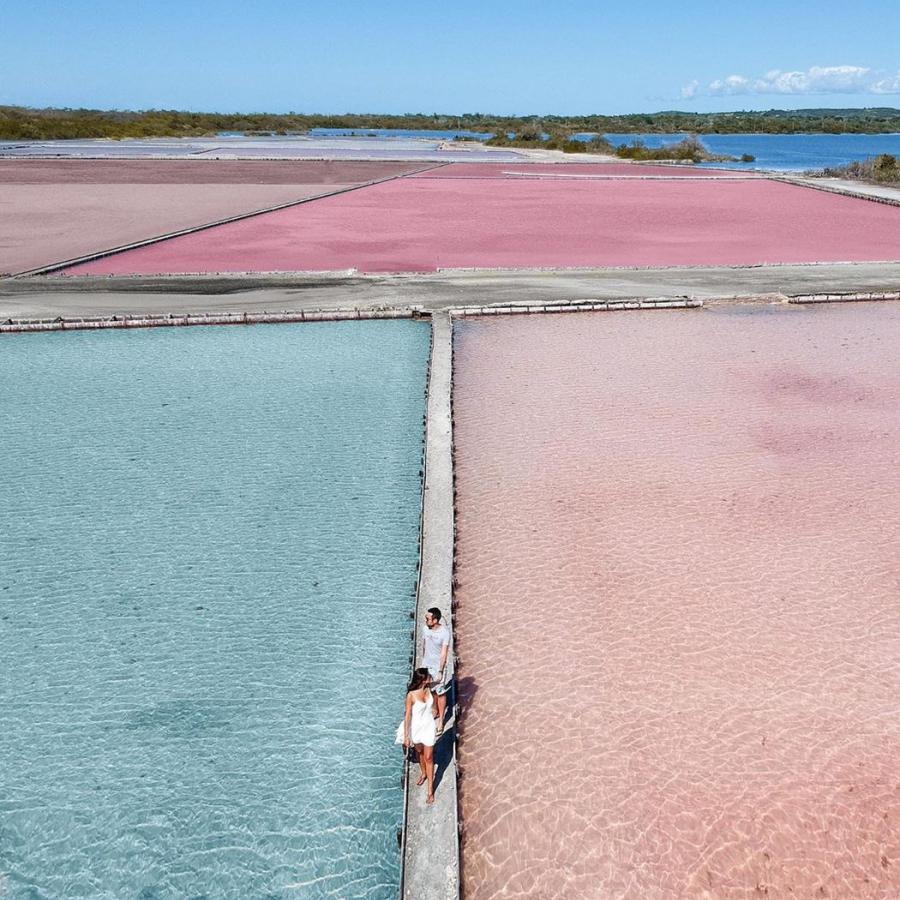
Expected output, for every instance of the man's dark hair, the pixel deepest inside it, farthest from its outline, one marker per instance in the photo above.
(434, 611)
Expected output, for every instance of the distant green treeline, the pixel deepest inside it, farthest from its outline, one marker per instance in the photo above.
(21, 123)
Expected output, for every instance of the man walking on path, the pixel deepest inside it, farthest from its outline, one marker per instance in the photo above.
(435, 653)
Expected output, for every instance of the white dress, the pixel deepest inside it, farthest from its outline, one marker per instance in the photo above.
(422, 728)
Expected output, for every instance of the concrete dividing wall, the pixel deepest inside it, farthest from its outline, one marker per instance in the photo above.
(13, 326)
(580, 170)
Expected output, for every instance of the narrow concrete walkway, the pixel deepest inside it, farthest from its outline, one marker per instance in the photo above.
(39, 297)
(431, 836)
(883, 193)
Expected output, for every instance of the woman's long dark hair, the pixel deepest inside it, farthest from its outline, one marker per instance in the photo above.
(420, 677)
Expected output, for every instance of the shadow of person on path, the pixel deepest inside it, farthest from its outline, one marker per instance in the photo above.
(461, 696)
(443, 754)
(464, 694)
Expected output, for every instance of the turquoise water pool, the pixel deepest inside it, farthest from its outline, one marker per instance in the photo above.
(208, 545)
(780, 152)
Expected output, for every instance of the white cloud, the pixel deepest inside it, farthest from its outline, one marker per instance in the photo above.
(890, 85)
(815, 80)
(732, 84)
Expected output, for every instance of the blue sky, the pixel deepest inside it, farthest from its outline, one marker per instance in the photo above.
(504, 57)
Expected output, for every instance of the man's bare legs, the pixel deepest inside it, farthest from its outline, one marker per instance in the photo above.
(440, 711)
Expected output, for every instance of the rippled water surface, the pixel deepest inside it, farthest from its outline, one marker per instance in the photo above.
(678, 617)
(208, 545)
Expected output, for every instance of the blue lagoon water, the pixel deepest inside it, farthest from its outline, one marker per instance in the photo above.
(781, 152)
(208, 547)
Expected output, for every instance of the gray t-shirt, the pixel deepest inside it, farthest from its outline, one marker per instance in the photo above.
(435, 639)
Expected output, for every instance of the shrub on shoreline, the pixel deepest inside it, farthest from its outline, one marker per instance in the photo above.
(688, 150)
(881, 169)
(535, 139)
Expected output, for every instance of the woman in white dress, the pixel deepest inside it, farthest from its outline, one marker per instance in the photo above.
(418, 728)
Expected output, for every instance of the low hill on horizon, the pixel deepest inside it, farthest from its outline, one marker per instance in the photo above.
(25, 123)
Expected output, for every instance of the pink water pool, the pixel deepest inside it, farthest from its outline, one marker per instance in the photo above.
(679, 603)
(423, 224)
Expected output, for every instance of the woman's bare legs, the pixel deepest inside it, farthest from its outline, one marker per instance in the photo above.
(427, 755)
(420, 756)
